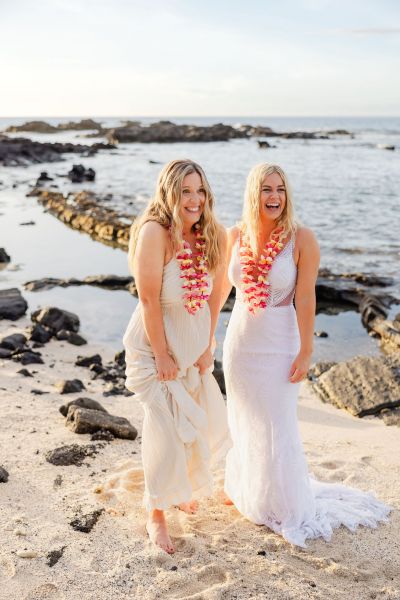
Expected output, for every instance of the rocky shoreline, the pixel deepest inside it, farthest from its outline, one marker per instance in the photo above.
(168, 132)
(365, 293)
(363, 386)
(20, 152)
(83, 212)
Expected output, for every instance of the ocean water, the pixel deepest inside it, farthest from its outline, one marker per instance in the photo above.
(345, 188)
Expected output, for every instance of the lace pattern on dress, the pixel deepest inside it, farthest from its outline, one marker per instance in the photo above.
(282, 278)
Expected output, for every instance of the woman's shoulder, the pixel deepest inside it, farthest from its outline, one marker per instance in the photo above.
(306, 245)
(233, 234)
(154, 230)
(305, 235)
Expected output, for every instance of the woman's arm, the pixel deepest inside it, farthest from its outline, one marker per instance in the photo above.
(305, 303)
(148, 268)
(226, 286)
(214, 299)
(206, 359)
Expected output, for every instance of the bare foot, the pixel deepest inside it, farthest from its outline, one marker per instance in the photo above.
(226, 500)
(156, 527)
(189, 507)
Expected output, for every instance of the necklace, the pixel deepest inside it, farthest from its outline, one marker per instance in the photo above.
(194, 273)
(255, 288)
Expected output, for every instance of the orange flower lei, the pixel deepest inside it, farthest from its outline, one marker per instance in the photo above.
(255, 291)
(194, 276)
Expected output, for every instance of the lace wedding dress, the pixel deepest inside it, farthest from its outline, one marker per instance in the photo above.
(266, 470)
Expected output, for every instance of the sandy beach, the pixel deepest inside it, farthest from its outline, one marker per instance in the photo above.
(219, 553)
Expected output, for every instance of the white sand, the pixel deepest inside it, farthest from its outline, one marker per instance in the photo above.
(217, 550)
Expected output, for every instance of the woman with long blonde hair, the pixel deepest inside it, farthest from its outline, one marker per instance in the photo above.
(273, 263)
(176, 254)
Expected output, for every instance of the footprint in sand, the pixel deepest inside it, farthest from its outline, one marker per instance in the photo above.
(186, 546)
(332, 465)
(7, 568)
(198, 584)
(48, 591)
(125, 487)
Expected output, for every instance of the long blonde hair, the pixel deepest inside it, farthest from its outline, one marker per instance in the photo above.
(250, 224)
(164, 208)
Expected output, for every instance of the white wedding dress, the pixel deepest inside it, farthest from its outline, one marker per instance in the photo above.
(266, 471)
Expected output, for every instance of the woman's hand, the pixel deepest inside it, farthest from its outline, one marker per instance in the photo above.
(299, 368)
(205, 361)
(166, 366)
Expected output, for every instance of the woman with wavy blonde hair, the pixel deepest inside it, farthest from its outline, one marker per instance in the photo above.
(273, 263)
(176, 254)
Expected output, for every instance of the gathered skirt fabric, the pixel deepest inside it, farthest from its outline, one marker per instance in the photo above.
(185, 425)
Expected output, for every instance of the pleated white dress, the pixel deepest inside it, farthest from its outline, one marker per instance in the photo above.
(185, 426)
(266, 470)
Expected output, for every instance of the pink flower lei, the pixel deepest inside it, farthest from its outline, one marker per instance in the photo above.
(194, 276)
(255, 287)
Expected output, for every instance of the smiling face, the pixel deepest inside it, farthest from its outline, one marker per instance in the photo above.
(193, 197)
(272, 197)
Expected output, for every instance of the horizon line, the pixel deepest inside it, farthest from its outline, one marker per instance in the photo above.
(176, 116)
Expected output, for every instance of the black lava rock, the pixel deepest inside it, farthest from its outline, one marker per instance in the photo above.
(13, 342)
(71, 337)
(87, 361)
(70, 455)
(29, 357)
(82, 403)
(3, 475)
(40, 333)
(54, 556)
(85, 523)
(12, 304)
(70, 386)
(4, 257)
(56, 319)
(25, 373)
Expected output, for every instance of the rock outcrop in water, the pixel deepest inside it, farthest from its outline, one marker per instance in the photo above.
(107, 282)
(23, 151)
(346, 291)
(81, 211)
(167, 132)
(44, 127)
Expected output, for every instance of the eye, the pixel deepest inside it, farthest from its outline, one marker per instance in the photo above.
(266, 189)
(202, 191)
(186, 191)
(281, 190)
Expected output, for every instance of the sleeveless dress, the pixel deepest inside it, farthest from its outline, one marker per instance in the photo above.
(266, 471)
(185, 426)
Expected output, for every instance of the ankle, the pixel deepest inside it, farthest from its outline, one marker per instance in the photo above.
(156, 515)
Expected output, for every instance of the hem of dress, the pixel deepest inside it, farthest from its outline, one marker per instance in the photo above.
(175, 498)
(220, 451)
(314, 529)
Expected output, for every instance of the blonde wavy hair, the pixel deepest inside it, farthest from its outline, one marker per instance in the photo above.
(164, 208)
(250, 224)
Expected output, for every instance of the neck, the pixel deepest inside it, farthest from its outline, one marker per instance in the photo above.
(186, 230)
(266, 229)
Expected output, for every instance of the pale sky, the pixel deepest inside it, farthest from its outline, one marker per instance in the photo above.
(199, 58)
